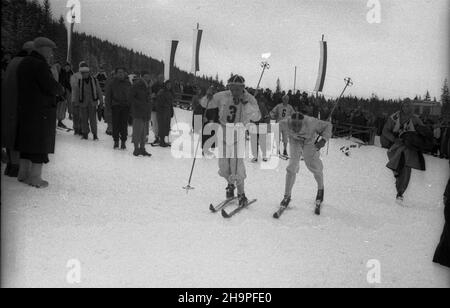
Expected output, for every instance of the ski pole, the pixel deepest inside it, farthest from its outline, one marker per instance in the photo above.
(348, 82)
(189, 187)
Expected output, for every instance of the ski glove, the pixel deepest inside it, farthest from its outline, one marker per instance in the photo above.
(320, 144)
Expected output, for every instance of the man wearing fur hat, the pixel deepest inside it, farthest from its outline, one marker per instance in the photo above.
(88, 94)
(9, 109)
(237, 108)
(37, 91)
(303, 134)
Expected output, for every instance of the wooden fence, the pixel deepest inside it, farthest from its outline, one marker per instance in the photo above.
(365, 133)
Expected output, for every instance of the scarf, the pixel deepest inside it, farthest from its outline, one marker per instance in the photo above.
(92, 81)
(407, 126)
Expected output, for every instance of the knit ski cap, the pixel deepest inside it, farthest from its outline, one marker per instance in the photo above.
(295, 122)
(236, 80)
(83, 67)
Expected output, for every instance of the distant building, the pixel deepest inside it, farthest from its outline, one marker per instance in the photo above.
(427, 108)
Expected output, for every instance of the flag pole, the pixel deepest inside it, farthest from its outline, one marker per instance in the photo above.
(295, 78)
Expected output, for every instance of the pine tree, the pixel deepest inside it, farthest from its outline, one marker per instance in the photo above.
(445, 99)
(427, 97)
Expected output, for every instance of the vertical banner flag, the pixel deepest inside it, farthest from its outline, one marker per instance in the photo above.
(196, 50)
(322, 67)
(169, 60)
(69, 39)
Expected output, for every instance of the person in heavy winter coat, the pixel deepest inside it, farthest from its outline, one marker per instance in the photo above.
(88, 94)
(164, 109)
(37, 112)
(442, 254)
(9, 110)
(140, 101)
(117, 95)
(400, 132)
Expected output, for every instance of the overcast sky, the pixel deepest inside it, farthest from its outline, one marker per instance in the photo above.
(403, 55)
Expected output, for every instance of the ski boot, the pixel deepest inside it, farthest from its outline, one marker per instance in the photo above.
(399, 199)
(243, 201)
(285, 202)
(123, 146)
(116, 145)
(285, 153)
(319, 200)
(230, 191)
(145, 153)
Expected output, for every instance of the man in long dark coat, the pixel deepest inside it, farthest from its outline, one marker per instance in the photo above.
(37, 90)
(9, 110)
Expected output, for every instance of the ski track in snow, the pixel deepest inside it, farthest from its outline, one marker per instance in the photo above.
(130, 223)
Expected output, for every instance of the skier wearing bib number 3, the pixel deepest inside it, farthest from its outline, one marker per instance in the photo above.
(303, 131)
(236, 107)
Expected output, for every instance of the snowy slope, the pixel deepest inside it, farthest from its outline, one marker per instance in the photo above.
(130, 223)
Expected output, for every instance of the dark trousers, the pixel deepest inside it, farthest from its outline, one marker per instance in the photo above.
(402, 176)
(88, 116)
(120, 122)
(164, 120)
(140, 130)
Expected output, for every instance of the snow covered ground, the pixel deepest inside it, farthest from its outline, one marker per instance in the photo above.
(129, 223)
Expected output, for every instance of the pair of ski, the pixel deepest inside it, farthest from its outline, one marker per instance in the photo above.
(285, 157)
(64, 129)
(222, 205)
(281, 210)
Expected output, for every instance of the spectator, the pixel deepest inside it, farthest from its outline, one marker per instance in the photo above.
(88, 94)
(117, 99)
(445, 136)
(164, 109)
(442, 253)
(75, 101)
(324, 113)
(102, 78)
(64, 79)
(37, 112)
(210, 109)
(9, 110)
(196, 106)
(140, 101)
(259, 140)
(437, 139)
(61, 105)
(296, 101)
(403, 130)
(157, 86)
(107, 109)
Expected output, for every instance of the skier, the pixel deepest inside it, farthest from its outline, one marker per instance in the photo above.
(282, 112)
(303, 131)
(239, 107)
